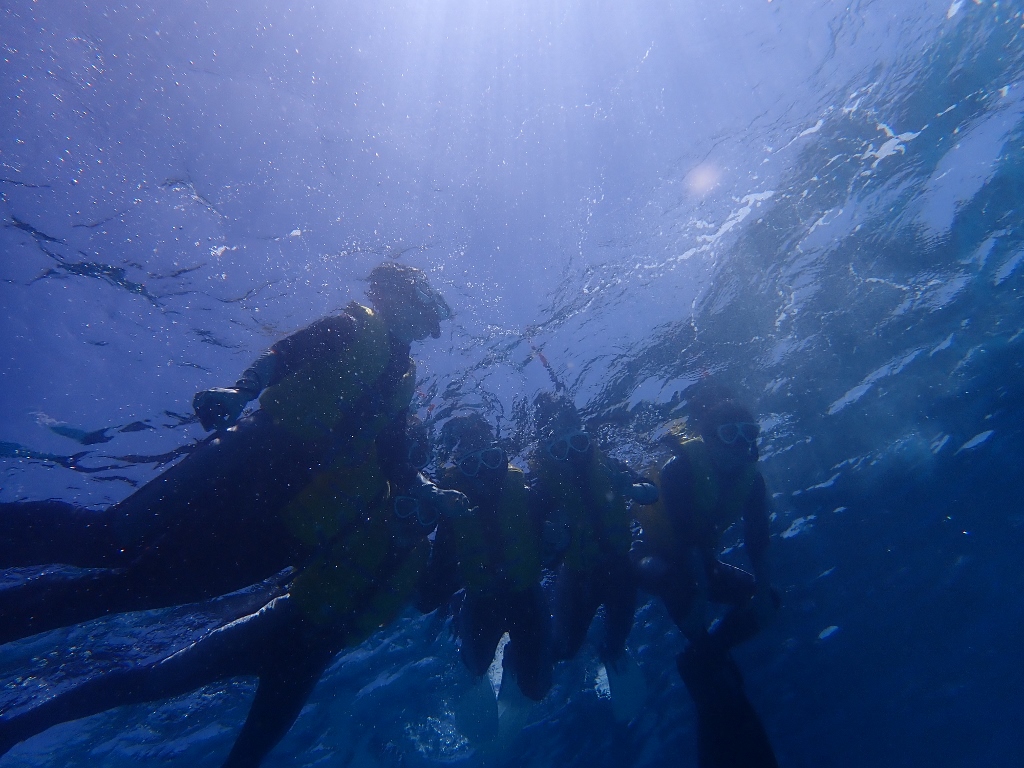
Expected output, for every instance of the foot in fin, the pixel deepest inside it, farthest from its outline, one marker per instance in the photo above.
(514, 710)
(628, 688)
(476, 713)
(513, 707)
(729, 732)
(361, 757)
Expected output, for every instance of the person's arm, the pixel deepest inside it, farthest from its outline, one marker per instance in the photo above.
(631, 483)
(406, 479)
(756, 535)
(756, 538)
(220, 407)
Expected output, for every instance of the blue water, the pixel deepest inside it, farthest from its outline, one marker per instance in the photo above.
(817, 204)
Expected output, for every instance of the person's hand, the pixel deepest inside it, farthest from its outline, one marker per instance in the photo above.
(643, 493)
(447, 503)
(639, 490)
(219, 408)
(452, 503)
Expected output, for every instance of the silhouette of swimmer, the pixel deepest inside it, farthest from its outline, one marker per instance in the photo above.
(306, 481)
(711, 483)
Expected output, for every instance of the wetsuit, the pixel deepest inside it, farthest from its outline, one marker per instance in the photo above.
(494, 554)
(677, 557)
(305, 481)
(587, 495)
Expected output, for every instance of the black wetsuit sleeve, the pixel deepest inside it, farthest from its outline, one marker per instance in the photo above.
(326, 338)
(632, 484)
(756, 533)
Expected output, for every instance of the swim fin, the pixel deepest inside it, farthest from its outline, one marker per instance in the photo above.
(729, 732)
(627, 686)
(514, 709)
(476, 712)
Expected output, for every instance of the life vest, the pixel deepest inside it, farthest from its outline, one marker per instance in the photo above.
(599, 523)
(361, 574)
(312, 401)
(335, 499)
(714, 508)
(499, 543)
(362, 581)
(353, 480)
(659, 534)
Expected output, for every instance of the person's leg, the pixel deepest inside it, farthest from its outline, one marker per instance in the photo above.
(44, 532)
(208, 526)
(528, 653)
(271, 644)
(475, 708)
(734, 587)
(479, 628)
(729, 584)
(212, 523)
(619, 592)
(574, 609)
(729, 731)
(229, 651)
(292, 663)
(228, 477)
(58, 597)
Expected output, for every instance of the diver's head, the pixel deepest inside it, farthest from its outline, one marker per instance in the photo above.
(559, 428)
(730, 433)
(412, 308)
(470, 445)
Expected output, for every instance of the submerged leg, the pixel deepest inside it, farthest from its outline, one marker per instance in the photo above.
(243, 647)
(209, 659)
(574, 609)
(729, 731)
(735, 587)
(528, 653)
(207, 526)
(620, 607)
(58, 597)
(43, 532)
(479, 629)
(282, 692)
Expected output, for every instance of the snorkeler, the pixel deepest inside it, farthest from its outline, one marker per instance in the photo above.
(494, 554)
(584, 496)
(306, 480)
(711, 483)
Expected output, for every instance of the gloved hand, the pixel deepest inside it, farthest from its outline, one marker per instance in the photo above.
(220, 407)
(642, 493)
(632, 486)
(444, 502)
(452, 503)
